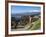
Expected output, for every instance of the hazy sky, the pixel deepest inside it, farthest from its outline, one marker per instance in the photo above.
(22, 9)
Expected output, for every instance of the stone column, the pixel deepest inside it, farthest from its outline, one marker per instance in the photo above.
(29, 18)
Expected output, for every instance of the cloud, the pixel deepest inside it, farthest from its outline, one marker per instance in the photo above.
(34, 11)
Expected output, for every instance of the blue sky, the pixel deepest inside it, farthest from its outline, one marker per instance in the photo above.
(23, 9)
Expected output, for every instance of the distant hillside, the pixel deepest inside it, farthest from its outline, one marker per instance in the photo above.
(25, 14)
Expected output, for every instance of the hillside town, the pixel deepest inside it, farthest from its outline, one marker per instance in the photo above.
(25, 23)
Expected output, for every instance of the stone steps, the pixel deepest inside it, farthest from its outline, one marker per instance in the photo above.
(20, 26)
